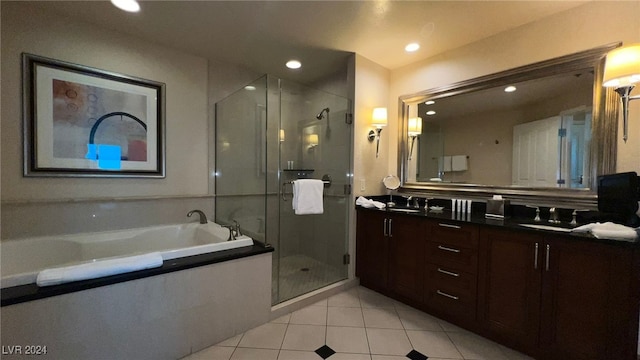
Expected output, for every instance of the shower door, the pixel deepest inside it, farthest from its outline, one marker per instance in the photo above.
(315, 142)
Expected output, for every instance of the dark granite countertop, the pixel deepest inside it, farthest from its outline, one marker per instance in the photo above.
(29, 292)
(515, 222)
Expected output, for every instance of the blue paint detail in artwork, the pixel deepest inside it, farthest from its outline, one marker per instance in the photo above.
(109, 157)
(92, 152)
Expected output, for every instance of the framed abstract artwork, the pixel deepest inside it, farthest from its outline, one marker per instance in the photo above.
(85, 122)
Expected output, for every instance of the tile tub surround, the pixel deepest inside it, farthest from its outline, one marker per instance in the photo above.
(160, 317)
(357, 324)
(24, 293)
(33, 218)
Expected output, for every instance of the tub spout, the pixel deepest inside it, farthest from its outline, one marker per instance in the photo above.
(203, 217)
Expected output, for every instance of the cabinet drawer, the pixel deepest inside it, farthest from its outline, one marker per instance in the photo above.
(452, 279)
(464, 235)
(454, 256)
(450, 301)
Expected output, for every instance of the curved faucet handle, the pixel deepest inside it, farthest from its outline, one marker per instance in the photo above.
(236, 227)
(537, 218)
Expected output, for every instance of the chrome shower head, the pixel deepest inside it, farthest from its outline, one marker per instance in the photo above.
(320, 116)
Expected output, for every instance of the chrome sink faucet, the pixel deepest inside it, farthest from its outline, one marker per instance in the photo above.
(203, 217)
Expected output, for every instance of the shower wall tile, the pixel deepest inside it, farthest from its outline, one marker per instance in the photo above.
(22, 220)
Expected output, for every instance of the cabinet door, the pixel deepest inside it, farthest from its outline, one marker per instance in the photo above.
(509, 288)
(372, 249)
(406, 259)
(588, 301)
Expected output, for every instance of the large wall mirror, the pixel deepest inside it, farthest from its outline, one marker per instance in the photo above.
(540, 132)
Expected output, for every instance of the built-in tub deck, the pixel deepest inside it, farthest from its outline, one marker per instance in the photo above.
(23, 293)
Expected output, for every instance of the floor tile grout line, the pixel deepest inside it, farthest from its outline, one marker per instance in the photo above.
(454, 345)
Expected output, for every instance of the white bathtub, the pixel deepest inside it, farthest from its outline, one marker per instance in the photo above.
(22, 259)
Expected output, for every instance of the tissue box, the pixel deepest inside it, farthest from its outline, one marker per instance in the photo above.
(497, 209)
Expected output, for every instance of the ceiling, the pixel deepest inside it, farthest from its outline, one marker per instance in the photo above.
(263, 35)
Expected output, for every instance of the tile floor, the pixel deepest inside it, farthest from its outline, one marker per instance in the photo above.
(357, 324)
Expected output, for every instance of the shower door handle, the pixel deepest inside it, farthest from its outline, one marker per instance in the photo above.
(284, 187)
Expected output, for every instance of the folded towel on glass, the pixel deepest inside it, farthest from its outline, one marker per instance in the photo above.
(100, 268)
(610, 230)
(368, 203)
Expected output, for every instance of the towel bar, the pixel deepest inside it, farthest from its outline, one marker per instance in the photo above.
(326, 180)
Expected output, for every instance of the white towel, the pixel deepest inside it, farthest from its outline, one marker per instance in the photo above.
(459, 163)
(307, 196)
(368, 203)
(446, 163)
(609, 230)
(98, 269)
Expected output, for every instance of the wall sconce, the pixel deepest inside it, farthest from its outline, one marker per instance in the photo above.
(379, 120)
(414, 130)
(312, 140)
(281, 135)
(622, 71)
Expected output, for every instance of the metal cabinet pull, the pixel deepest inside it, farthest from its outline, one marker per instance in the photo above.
(448, 272)
(385, 227)
(450, 226)
(446, 295)
(448, 249)
(547, 260)
(535, 258)
(390, 228)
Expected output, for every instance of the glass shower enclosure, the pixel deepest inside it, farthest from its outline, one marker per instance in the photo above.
(267, 135)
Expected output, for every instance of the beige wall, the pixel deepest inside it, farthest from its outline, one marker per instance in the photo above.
(371, 90)
(53, 36)
(588, 26)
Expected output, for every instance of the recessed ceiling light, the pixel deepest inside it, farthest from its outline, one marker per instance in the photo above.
(430, 102)
(412, 47)
(294, 64)
(126, 5)
(250, 87)
(510, 89)
(431, 112)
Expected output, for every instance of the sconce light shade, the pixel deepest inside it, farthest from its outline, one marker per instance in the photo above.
(414, 130)
(622, 67)
(415, 126)
(622, 71)
(379, 117)
(379, 120)
(281, 135)
(313, 140)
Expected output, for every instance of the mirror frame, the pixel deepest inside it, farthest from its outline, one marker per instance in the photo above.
(604, 133)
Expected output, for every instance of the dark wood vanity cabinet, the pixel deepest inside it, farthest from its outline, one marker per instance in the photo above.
(390, 253)
(406, 256)
(558, 297)
(372, 250)
(551, 296)
(451, 269)
(510, 285)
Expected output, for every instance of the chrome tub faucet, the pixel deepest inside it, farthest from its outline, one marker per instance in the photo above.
(203, 217)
